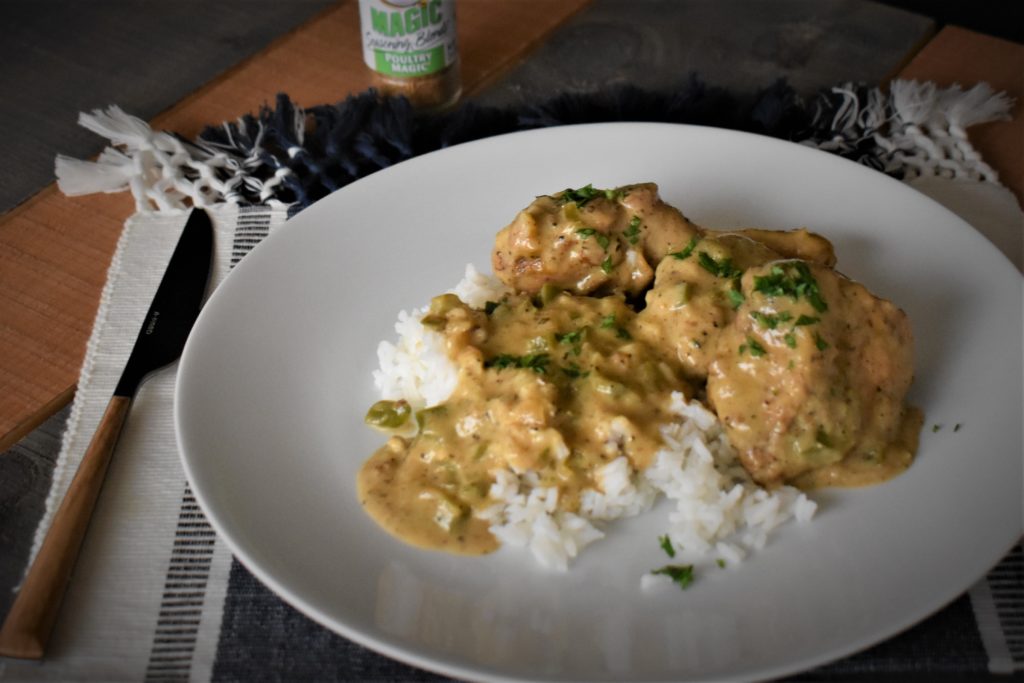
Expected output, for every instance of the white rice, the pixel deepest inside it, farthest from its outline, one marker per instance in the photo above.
(476, 289)
(719, 514)
(417, 367)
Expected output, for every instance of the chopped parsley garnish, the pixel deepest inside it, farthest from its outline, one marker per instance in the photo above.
(805, 320)
(632, 233)
(682, 574)
(736, 298)
(723, 268)
(608, 323)
(721, 563)
(569, 337)
(599, 237)
(490, 306)
(573, 339)
(790, 340)
(534, 361)
(573, 370)
(936, 428)
(685, 252)
(502, 361)
(606, 265)
(666, 544)
(756, 350)
(582, 195)
(793, 279)
(819, 342)
(770, 322)
(956, 427)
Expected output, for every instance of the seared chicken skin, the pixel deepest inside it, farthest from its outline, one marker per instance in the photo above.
(585, 241)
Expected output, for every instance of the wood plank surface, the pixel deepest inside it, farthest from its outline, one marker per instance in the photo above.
(55, 250)
(957, 55)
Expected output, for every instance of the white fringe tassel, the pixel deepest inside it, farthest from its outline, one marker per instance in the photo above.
(162, 172)
(921, 129)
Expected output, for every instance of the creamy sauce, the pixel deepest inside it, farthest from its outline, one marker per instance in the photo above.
(806, 369)
(561, 388)
(867, 468)
(425, 504)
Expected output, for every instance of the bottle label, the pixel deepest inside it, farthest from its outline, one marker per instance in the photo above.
(408, 38)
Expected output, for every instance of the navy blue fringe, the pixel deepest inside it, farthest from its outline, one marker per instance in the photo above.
(328, 146)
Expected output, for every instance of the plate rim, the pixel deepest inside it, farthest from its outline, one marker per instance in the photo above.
(442, 662)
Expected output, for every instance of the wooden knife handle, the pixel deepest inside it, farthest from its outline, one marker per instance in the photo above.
(30, 621)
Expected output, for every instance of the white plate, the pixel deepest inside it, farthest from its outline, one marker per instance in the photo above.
(275, 380)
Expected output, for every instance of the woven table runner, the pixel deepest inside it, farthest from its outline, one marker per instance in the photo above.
(157, 596)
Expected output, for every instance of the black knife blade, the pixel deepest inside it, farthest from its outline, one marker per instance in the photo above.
(175, 305)
(165, 328)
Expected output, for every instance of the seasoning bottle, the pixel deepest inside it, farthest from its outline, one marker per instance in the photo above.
(411, 49)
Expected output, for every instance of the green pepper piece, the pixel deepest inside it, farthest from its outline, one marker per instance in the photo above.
(423, 418)
(443, 303)
(571, 212)
(685, 292)
(437, 315)
(388, 414)
(548, 293)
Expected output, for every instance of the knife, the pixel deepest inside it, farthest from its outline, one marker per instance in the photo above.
(162, 336)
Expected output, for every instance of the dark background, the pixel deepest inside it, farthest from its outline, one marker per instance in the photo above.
(1003, 18)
